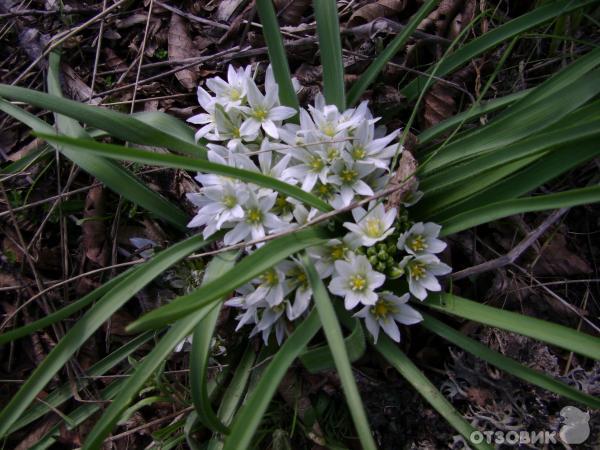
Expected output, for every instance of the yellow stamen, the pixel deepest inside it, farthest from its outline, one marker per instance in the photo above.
(418, 243)
(358, 282)
(417, 270)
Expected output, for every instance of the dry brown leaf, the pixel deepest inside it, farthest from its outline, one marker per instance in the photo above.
(557, 259)
(34, 436)
(180, 47)
(404, 176)
(75, 88)
(290, 11)
(94, 228)
(226, 9)
(372, 11)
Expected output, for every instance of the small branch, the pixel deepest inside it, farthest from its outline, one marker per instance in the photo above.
(515, 253)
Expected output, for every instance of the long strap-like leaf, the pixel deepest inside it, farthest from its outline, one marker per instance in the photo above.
(88, 324)
(507, 364)
(247, 269)
(561, 336)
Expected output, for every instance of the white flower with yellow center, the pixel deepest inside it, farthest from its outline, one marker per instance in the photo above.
(258, 220)
(263, 111)
(388, 310)
(220, 204)
(356, 281)
(371, 226)
(348, 177)
(421, 272)
(207, 118)
(231, 93)
(422, 238)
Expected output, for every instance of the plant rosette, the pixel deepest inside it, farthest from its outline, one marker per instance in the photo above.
(344, 158)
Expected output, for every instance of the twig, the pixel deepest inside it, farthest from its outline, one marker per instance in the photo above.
(148, 424)
(515, 253)
(142, 50)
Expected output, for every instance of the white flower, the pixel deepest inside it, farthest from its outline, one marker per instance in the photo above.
(272, 286)
(326, 255)
(230, 93)
(258, 220)
(223, 205)
(271, 317)
(298, 283)
(422, 238)
(356, 281)
(207, 118)
(229, 127)
(388, 310)
(369, 151)
(263, 110)
(421, 272)
(371, 226)
(314, 167)
(348, 176)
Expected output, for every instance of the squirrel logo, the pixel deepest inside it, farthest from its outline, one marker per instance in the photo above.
(575, 429)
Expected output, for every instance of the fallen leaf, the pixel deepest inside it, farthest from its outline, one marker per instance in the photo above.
(226, 9)
(94, 228)
(290, 11)
(181, 47)
(557, 259)
(372, 11)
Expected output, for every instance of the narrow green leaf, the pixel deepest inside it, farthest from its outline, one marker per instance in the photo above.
(88, 324)
(473, 112)
(320, 358)
(552, 164)
(507, 208)
(155, 358)
(335, 340)
(113, 175)
(65, 312)
(365, 80)
(542, 330)
(441, 180)
(493, 38)
(63, 393)
(182, 162)
(415, 377)
(200, 353)
(250, 415)
(539, 116)
(234, 393)
(119, 125)
(509, 365)
(277, 53)
(247, 269)
(330, 46)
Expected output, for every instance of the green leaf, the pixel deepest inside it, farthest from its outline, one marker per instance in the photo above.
(200, 353)
(507, 208)
(473, 112)
(365, 80)
(277, 54)
(65, 312)
(542, 330)
(63, 393)
(415, 377)
(88, 324)
(330, 46)
(119, 125)
(544, 169)
(247, 269)
(335, 340)
(186, 163)
(511, 128)
(506, 364)
(450, 176)
(320, 358)
(491, 39)
(250, 415)
(155, 358)
(113, 175)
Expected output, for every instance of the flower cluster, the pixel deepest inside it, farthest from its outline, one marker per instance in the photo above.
(340, 156)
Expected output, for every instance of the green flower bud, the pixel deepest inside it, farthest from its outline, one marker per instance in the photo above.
(373, 259)
(382, 255)
(395, 272)
(381, 247)
(380, 267)
(371, 251)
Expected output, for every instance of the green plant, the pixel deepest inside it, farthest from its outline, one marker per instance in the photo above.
(472, 177)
